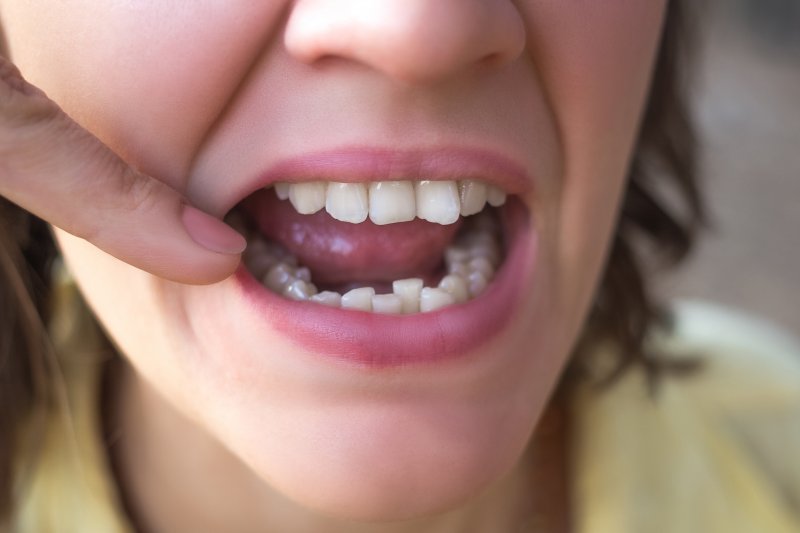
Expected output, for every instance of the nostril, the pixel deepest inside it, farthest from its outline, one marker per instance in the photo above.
(491, 60)
(413, 41)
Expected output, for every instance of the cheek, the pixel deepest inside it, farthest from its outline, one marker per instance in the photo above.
(149, 78)
(595, 62)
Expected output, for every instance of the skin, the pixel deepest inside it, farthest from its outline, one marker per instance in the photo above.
(199, 99)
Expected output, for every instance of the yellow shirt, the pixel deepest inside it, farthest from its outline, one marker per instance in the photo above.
(717, 452)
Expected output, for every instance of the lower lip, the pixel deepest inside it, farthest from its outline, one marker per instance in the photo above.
(391, 341)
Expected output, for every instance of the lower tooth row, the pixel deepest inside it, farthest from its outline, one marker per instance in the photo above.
(470, 264)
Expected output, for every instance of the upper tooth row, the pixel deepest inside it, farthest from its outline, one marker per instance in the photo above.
(388, 202)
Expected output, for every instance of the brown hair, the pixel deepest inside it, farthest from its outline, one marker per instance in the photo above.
(623, 312)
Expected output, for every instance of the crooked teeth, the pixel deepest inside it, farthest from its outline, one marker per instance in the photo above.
(470, 265)
(408, 290)
(390, 202)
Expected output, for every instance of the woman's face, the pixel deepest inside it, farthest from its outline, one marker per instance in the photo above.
(343, 411)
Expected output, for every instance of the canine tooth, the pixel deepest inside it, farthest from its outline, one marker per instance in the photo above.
(482, 265)
(495, 196)
(348, 202)
(477, 283)
(392, 201)
(309, 197)
(473, 197)
(432, 299)
(282, 190)
(456, 286)
(278, 277)
(300, 290)
(360, 299)
(389, 304)
(437, 201)
(328, 298)
(409, 291)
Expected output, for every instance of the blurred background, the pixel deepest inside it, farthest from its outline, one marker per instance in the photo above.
(747, 107)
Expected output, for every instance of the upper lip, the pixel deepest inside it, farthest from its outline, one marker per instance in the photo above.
(365, 164)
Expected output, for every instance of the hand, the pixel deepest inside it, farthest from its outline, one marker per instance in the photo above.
(52, 167)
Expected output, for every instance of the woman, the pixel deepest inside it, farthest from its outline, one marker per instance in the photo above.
(428, 193)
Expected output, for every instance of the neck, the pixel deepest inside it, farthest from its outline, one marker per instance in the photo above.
(174, 476)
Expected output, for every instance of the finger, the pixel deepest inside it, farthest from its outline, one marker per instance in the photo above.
(57, 170)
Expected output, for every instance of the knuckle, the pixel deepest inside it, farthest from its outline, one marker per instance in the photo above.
(20, 102)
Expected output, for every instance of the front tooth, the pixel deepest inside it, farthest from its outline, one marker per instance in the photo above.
(348, 202)
(473, 197)
(408, 290)
(282, 190)
(456, 286)
(392, 201)
(360, 299)
(437, 201)
(432, 299)
(328, 298)
(495, 196)
(388, 304)
(309, 197)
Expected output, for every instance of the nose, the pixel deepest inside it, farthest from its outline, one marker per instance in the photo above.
(413, 41)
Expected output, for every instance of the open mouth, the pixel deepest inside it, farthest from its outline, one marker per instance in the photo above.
(354, 262)
(387, 247)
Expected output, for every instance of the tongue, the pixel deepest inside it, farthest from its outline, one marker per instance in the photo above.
(339, 252)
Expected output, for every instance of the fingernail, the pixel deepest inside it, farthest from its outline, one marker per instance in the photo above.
(211, 233)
